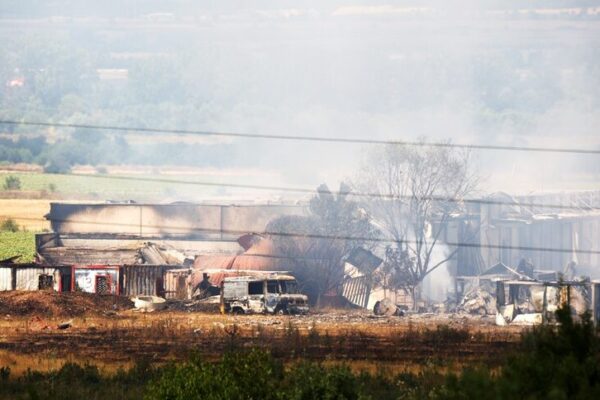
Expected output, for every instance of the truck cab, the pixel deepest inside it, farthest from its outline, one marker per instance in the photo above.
(273, 294)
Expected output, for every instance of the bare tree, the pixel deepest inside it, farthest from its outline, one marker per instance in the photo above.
(416, 191)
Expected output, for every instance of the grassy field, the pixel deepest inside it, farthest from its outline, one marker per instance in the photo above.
(17, 244)
(112, 188)
(91, 186)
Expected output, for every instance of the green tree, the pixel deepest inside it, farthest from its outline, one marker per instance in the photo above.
(316, 245)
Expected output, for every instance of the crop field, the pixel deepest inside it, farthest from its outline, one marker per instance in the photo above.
(27, 213)
(17, 244)
(139, 185)
(92, 187)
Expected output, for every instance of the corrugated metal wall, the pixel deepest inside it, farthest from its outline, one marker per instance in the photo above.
(5, 278)
(357, 291)
(28, 278)
(178, 284)
(142, 279)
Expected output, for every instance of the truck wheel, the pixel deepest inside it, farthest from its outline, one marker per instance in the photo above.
(281, 311)
(237, 311)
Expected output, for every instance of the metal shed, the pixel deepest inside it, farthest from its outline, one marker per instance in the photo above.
(34, 277)
(145, 279)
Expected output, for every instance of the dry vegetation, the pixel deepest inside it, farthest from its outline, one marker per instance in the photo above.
(32, 210)
(103, 332)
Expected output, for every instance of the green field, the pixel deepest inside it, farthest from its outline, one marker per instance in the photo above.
(17, 244)
(110, 187)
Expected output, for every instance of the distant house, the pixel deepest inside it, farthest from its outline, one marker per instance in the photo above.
(16, 82)
(113, 74)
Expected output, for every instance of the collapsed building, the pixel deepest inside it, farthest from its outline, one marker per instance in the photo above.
(168, 250)
(135, 249)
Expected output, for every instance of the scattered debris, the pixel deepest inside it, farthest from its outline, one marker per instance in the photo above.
(528, 319)
(207, 305)
(65, 325)
(478, 301)
(387, 308)
(149, 303)
(153, 253)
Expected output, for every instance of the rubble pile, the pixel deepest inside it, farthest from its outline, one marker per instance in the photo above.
(478, 301)
(161, 254)
(209, 305)
(53, 304)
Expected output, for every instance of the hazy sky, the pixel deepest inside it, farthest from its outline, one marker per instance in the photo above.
(511, 73)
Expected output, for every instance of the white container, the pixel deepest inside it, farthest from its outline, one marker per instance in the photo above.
(149, 303)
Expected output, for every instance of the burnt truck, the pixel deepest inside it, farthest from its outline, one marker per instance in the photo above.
(273, 294)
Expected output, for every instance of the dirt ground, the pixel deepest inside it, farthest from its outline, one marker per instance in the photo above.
(52, 304)
(105, 331)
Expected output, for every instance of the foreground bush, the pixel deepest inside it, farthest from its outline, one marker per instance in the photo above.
(552, 363)
(256, 375)
(74, 381)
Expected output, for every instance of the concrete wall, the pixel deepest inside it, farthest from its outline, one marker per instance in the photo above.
(160, 220)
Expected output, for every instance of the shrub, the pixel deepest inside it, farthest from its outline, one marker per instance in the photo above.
(552, 362)
(4, 373)
(313, 381)
(252, 375)
(9, 225)
(12, 183)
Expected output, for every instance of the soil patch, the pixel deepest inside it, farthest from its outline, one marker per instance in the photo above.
(66, 304)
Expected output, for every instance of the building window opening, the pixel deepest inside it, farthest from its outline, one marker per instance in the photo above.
(45, 282)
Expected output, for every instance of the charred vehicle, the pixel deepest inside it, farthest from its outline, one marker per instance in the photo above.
(275, 294)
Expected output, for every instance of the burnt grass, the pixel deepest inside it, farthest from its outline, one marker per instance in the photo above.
(165, 340)
(560, 362)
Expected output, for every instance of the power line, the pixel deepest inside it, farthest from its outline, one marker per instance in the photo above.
(310, 235)
(313, 191)
(304, 138)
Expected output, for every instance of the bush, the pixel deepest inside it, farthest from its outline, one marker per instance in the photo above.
(257, 375)
(4, 373)
(313, 381)
(252, 375)
(553, 362)
(12, 183)
(9, 225)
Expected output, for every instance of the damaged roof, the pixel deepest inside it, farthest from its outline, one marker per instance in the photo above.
(261, 256)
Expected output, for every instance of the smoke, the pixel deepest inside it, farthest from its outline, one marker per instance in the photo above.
(500, 73)
(438, 284)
